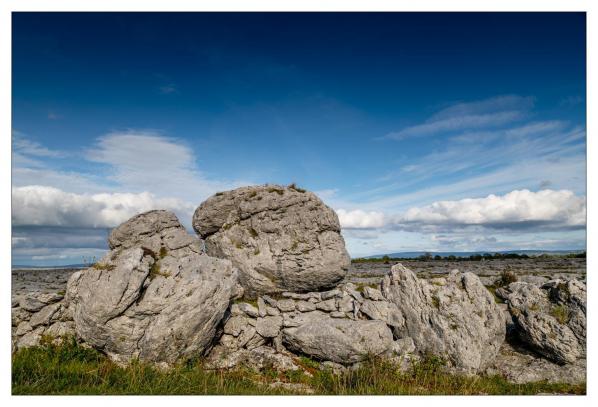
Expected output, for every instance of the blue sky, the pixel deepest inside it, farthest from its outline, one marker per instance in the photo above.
(431, 131)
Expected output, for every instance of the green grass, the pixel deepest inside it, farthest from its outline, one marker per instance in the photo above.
(279, 191)
(560, 313)
(103, 266)
(73, 369)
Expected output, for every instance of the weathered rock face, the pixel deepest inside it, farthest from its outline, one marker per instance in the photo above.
(551, 319)
(519, 365)
(280, 238)
(154, 296)
(454, 317)
(335, 339)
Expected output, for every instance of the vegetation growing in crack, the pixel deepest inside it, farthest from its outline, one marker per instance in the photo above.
(560, 313)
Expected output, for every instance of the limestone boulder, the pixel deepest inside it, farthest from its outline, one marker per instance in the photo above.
(454, 317)
(338, 340)
(280, 238)
(551, 319)
(157, 301)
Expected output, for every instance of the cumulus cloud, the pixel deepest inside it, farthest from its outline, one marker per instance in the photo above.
(359, 219)
(519, 208)
(47, 206)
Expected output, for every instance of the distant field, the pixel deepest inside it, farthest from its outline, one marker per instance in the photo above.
(533, 269)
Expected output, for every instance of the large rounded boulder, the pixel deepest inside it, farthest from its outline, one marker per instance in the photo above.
(154, 296)
(280, 238)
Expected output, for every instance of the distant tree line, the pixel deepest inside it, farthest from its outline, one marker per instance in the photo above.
(473, 257)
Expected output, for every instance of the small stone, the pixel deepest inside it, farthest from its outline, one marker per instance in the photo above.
(269, 300)
(272, 311)
(305, 306)
(44, 316)
(261, 306)
(269, 327)
(249, 310)
(286, 305)
(358, 297)
(31, 303)
(345, 304)
(372, 294)
(328, 305)
(330, 294)
(235, 325)
(337, 314)
(23, 328)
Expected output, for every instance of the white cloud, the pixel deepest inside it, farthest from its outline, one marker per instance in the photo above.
(457, 123)
(47, 206)
(25, 146)
(493, 112)
(517, 208)
(358, 219)
(145, 161)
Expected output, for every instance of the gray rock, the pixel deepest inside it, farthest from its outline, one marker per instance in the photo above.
(280, 238)
(383, 311)
(305, 306)
(330, 294)
(551, 319)
(338, 340)
(269, 327)
(403, 346)
(261, 306)
(144, 229)
(372, 294)
(286, 305)
(345, 304)
(272, 311)
(235, 325)
(257, 358)
(19, 315)
(32, 303)
(520, 366)
(248, 309)
(44, 316)
(302, 296)
(458, 321)
(60, 330)
(23, 328)
(32, 338)
(159, 307)
(328, 305)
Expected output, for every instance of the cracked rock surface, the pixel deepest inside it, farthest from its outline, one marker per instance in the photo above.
(154, 296)
(455, 317)
(551, 319)
(280, 238)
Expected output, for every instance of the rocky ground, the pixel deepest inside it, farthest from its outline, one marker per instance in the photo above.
(269, 280)
(530, 270)
(515, 362)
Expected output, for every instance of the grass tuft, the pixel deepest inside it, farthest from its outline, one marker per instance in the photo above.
(560, 313)
(103, 266)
